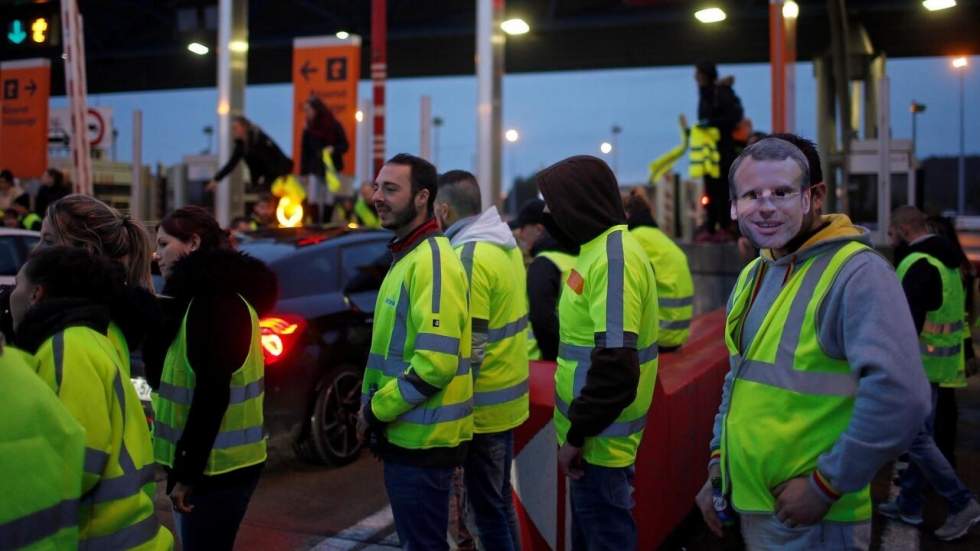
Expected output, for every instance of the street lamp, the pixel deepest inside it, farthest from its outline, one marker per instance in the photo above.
(936, 5)
(960, 64)
(710, 15)
(915, 108)
(616, 129)
(606, 148)
(511, 135)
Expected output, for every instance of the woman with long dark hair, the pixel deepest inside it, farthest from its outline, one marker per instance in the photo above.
(264, 159)
(323, 137)
(208, 429)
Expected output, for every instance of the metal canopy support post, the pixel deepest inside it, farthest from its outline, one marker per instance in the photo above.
(777, 64)
(232, 66)
(136, 188)
(76, 88)
(827, 129)
(884, 160)
(489, 72)
(379, 74)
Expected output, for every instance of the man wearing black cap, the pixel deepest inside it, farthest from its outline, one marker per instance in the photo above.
(607, 358)
(552, 264)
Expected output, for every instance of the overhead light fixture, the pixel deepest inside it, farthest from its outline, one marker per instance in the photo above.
(343, 35)
(197, 48)
(936, 5)
(960, 62)
(239, 46)
(710, 15)
(791, 10)
(515, 26)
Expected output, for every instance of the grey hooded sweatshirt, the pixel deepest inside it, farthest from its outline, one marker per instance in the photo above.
(864, 319)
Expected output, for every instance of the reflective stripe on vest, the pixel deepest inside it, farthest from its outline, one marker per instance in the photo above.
(791, 407)
(39, 525)
(127, 538)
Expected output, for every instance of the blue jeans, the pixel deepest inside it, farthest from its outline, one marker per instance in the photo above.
(602, 504)
(764, 532)
(419, 499)
(217, 514)
(928, 464)
(487, 475)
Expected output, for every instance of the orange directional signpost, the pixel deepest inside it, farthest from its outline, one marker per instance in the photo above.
(328, 67)
(26, 86)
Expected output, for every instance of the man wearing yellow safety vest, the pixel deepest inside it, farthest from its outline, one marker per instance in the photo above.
(607, 360)
(42, 451)
(928, 267)
(497, 296)
(553, 257)
(60, 314)
(825, 383)
(417, 411)
(675, 287)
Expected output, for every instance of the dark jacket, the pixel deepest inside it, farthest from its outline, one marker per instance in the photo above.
(50, 317)
(265, 160)
(922, 284)
(47, 195)
(218, 341)
(312, 144)
(543, 292)
(719, 106)
(583, 197)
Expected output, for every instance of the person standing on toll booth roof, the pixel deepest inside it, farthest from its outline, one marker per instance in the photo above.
(265, 161)
(553, 257)
(417, 402)
(607, 359)
(208, 431)
(675, 286)
(497, 297)
(60, 309)
(929, 268)
(322, 136)
(825, 384)
(718, 108)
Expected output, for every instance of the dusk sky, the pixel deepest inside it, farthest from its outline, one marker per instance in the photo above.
(559, 114)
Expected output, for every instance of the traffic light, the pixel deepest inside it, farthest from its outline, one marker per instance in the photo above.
(29, 29)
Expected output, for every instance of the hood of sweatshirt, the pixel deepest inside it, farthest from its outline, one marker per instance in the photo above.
(933, 245)
(835, 230)
(487, 227)
(583, 197)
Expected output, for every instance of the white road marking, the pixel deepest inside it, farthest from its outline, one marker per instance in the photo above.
(366, 530)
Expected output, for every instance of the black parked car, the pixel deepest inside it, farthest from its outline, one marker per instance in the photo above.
(316, 341)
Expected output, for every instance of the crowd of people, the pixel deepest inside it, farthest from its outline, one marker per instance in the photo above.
(838, 363)
(24, 209)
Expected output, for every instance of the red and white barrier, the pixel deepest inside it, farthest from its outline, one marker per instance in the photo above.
(671, 463)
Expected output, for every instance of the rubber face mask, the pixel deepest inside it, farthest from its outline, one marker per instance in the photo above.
(770, 206)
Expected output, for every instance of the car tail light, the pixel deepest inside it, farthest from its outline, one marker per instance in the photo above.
(280, 333)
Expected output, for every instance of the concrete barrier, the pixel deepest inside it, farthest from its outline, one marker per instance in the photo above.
(672, 460)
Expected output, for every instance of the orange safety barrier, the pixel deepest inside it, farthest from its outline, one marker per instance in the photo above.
(672, 461)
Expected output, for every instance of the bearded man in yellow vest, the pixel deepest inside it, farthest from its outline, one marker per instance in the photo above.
(417, 400)
(826, 384)
(928, 267)
(607, 359)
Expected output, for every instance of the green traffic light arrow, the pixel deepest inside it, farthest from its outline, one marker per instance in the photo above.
(16, 34)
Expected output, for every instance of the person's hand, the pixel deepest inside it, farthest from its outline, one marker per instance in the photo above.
(705, 501)
(570, 460)
(798, 504)
(362, 424)
(180, 495)
(211, 186)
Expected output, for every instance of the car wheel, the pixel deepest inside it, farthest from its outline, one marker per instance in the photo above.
(333, 425)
